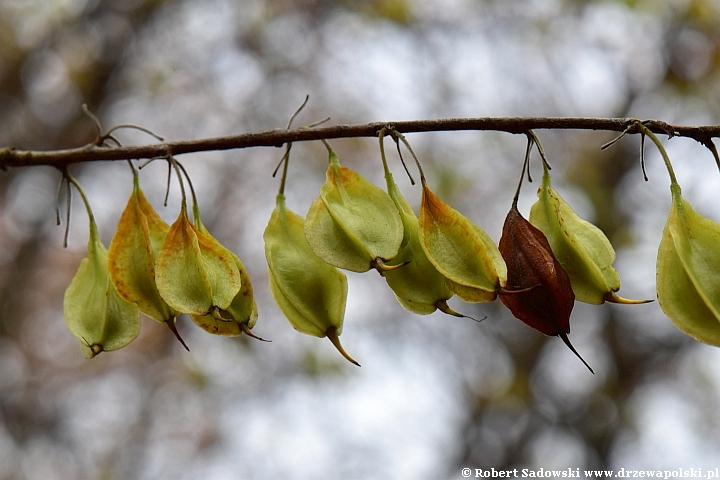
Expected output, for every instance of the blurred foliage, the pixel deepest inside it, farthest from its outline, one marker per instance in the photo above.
(152, 411)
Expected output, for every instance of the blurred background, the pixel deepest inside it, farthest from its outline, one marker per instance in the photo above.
(435, 393)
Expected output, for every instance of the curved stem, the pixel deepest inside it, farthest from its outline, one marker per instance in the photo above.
(526, 162)
(546, 164)
(327, 145)
(397, 135)
(196, 206)
(173, 162)
(91, 217)
(646, 131)
(381, 137)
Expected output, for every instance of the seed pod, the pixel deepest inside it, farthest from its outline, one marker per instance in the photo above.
(539, 291)
(688, 262)
(131, 258)
(581, 248)
(418, 286)
(94, 312)
(311, 293)
(353, 224)
(194, 273)
(460, 250)
(242, 313)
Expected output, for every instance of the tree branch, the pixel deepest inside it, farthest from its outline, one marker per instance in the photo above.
(10, 157)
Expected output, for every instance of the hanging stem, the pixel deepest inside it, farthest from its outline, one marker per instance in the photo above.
(381, 136)
(646, 131)
(174, 164)
(91, 217)
(399, 136)
(286, 157)
(526, 162)
(546, 164)
(285, 161)
(196, 207)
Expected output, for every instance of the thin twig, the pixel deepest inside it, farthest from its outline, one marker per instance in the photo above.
(10, 157)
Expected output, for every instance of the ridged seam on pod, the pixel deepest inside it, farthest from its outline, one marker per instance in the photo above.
(93, 310)
(353, 224)
(131, 258)
(538, 288)
(418, 286)
(460, 250)
(194, 273)
(688, 262)
(581, 248)
(241, 315)
(311, 293)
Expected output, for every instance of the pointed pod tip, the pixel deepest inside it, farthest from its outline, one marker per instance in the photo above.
(170, 322)
(333, 337)
(246, 330)
(615, 298)
(443, 306)
(566, 340)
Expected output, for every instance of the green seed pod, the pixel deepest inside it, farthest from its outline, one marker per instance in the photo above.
(581, 248)
(194, 273)
(688, 262)
(94, 311)
(353, 224)
(460, 250)
(242, 313)
(311, 293)
(418, 286)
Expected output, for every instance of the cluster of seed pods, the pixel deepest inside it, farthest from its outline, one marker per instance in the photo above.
(541, 266)
(157, 269)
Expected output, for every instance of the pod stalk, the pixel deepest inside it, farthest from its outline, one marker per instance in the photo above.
(646, 131)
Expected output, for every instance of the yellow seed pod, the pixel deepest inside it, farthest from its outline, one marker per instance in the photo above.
(194, 273)
(353, 224)
(93, 310)
(582, 249)
(311, 293)
(241, 315)
(131, 256)
(418, 286)
(688, 262)
(460, 250)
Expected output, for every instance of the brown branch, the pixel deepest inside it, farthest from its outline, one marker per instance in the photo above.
(10, 157)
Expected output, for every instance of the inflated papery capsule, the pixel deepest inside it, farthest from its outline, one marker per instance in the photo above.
(311, 293)
(194, 273)
(688, 262)
(539, 290)
(131, 257)
(418, 286)
(93, 310)
(688, 271)
(581, 248)
(460, 250)
(241, 315)
(353, 224)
